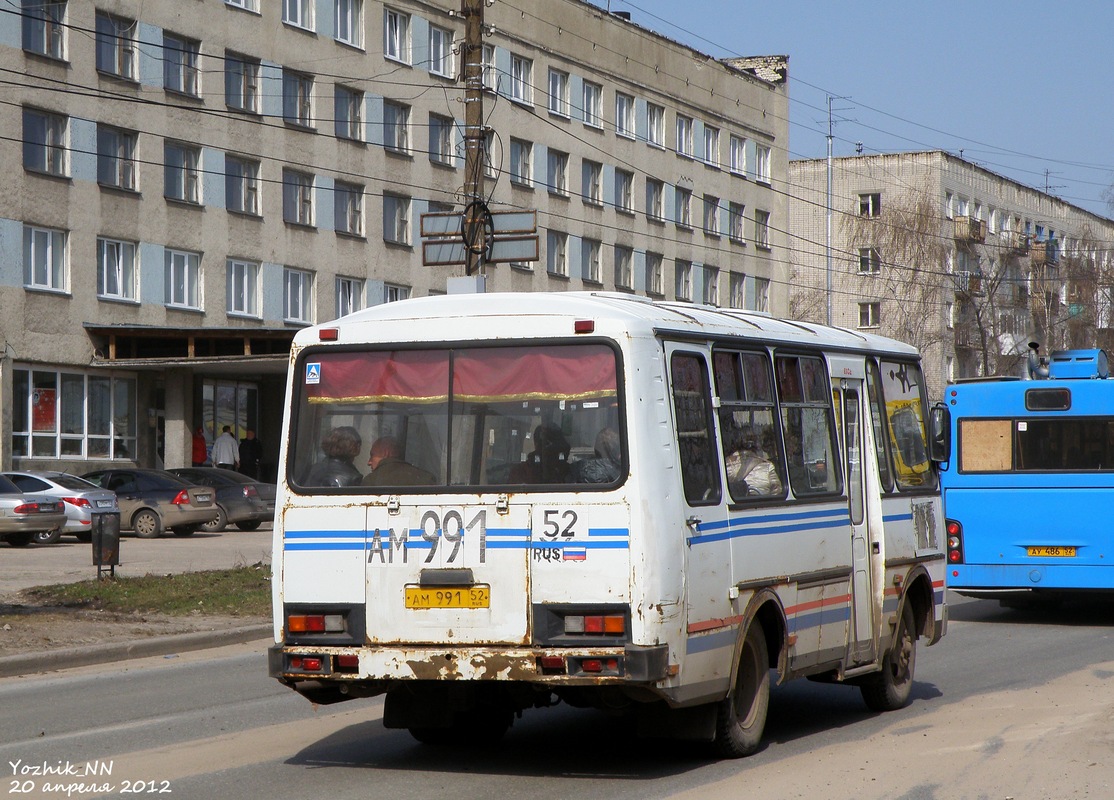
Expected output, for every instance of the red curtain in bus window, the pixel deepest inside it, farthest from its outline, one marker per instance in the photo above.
(499, 374)
(418, 376)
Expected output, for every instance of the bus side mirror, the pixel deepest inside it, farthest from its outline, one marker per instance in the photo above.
(940, 433)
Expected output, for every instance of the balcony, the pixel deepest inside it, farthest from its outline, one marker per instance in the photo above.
(969, 283)
(969, 229)
(1015, 242)
(1046, 253)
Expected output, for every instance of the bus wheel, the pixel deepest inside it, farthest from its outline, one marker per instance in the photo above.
(889, 689)
(741, 716)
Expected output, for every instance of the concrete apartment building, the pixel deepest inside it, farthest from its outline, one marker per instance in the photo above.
(200, 179)
(937, 251)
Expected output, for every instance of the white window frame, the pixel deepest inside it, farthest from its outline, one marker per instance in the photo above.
(870, 262)
(243, 288)
(655, 125)
(711, 146)
(870, 314)
(592, 190)
(558, 102)
(736, 215)
(246, 5)
(44, 142)
(737, 287)
(738, 155)
(45, 258)
(441, 150)
(396, 127)
(348, 22)
(624, 267)
(624, 115)
(557, 172)
(396, 219)
(181, 72)
(624, 191)
(684, 135)
(870, 204)
(711, 215)
(593, 105)
(44, 28)
(297, 98)
(350, 293)
(522, 157)
(116, 46)
(241, 84)
(116, 270)
(762, 156)
(655, 276)
(655, 200)
(297, 295)
(490, 75)
(182, 274)
(182, 172)
(762, 229)
(682, 205)
(116, 166)
(348, 208)
(242, 187)
(297, 197)
(522, 76)
(682, 279)
(348, 108)
(393, 292)
(298, 13)
(590, 260)
(557, 253)
(762, 294)
(711, 285)
(396, 36)
(440, 52)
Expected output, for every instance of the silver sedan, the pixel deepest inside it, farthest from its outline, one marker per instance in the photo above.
(82, 498)
(22, 517)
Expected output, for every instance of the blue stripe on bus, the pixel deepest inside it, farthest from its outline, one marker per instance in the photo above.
(324, 546)
(766, 518)
(609, 531)
(772, 529)
(324, 534)
(713, 641)
(898, 517)
(497, 539)
(813, 619)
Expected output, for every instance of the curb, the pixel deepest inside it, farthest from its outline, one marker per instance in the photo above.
(50, 660)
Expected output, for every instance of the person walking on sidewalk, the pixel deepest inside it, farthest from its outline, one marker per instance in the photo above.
(226, 450)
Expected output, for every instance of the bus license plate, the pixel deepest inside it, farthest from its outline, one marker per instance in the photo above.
(1051, 552)
(478, 596)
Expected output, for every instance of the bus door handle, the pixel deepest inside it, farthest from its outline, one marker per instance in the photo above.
(693, 523)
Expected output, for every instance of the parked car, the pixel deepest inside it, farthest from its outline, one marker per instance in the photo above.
(23, 517)
(153, 500)
(82, 499)
(241, 501)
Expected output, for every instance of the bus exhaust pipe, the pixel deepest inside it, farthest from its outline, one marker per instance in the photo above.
(1038, 368)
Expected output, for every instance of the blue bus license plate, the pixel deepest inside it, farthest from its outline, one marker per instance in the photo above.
(1051, 552)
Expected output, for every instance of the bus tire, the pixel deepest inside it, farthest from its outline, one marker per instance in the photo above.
(741, 716)
(891, 688)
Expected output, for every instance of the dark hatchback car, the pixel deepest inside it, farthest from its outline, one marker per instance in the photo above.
(153, 500)
(241, 501)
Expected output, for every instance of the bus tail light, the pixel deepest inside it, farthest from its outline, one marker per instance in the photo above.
(955, 541)
(315, 623)
(595, 624)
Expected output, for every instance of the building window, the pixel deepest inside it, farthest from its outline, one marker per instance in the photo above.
(556, 255)
(711, 286)
(396, 35)
(711, 146)
(115, 269)
(116, 46)
(591, 270)
(489, 149)
(655, 205)
(44, 258)
(655, 125)
(348, 105)
(297, 197)
(762, 163)
(241, 83)
(116, 158)
(441, 140)
(557, 171)
(180, 71)
(869, 315)
(684, 136)
(870, 263)
(624, 115)
(241, 186)
(350, 296)
(711, 215)
(762, 229)
(490, 74)
(440, 52)
(44, 142)
(243, 288)
(298, 12)
(297, 295)
(44, 29)
(72, 415)
(870, 205)
(624, 191)
(682, 283)
(297, 98)
(738, 155)
(683, 206)
(181, 172)
(736, 213)
(949, 315)
(762, 295)
(592, 176)
(593, 104)
(521, 162)
(559, 93)
(348, 208)
(349, 22)
(392, 293)
(522, 76)
(737, 286)
(654, 277)
(624, 270)
(396, 219)
(183, 279)
(396, 127)
(247, 5)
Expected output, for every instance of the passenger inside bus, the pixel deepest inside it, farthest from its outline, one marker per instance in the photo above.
(548, 462)
(340, 445)
(388, 468)
(750, 471)
(604, 467)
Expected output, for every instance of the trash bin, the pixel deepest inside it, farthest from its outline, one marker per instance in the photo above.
(106, 542)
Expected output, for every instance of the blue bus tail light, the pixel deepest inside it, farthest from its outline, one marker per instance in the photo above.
(955, 541)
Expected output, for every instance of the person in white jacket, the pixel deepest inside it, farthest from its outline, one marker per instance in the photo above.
(226, 450)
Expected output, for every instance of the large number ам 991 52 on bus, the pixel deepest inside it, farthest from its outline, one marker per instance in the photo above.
(1029, 493)
(490, 503)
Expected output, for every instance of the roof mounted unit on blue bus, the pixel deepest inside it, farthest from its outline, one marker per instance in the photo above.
(1068, 364)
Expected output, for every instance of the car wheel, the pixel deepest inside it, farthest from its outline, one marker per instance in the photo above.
(46, 537)
(248, 525)
(19, 539)
(218, 524)
(147, 524)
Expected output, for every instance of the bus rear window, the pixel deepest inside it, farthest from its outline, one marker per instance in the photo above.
(1036, 445)
(1048, 400)
(507, 417)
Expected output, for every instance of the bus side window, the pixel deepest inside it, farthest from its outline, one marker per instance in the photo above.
(806, 422)
(695, 435)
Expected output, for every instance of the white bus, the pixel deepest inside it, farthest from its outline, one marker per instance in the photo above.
(490, 503)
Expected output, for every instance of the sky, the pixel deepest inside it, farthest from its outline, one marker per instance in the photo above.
(1015, 86)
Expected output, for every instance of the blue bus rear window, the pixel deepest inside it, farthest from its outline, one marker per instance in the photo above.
(1048, 399)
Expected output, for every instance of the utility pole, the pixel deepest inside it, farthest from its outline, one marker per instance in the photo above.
(475, 219)
(828, 249)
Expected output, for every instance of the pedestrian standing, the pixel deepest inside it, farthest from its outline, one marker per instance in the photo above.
(200, 447)
(226, 451)
(251, 454)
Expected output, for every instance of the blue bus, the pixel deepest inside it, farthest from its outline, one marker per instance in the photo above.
(1029, 488)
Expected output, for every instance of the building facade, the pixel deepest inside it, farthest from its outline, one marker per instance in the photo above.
(964, 263)
(201, 179)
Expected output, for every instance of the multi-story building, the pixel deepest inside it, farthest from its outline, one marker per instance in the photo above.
(201, 179)
(964, 263)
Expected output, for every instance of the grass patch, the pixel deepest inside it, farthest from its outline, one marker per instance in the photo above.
(242, 592)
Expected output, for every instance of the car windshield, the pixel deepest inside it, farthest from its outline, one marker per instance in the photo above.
(72, 482)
